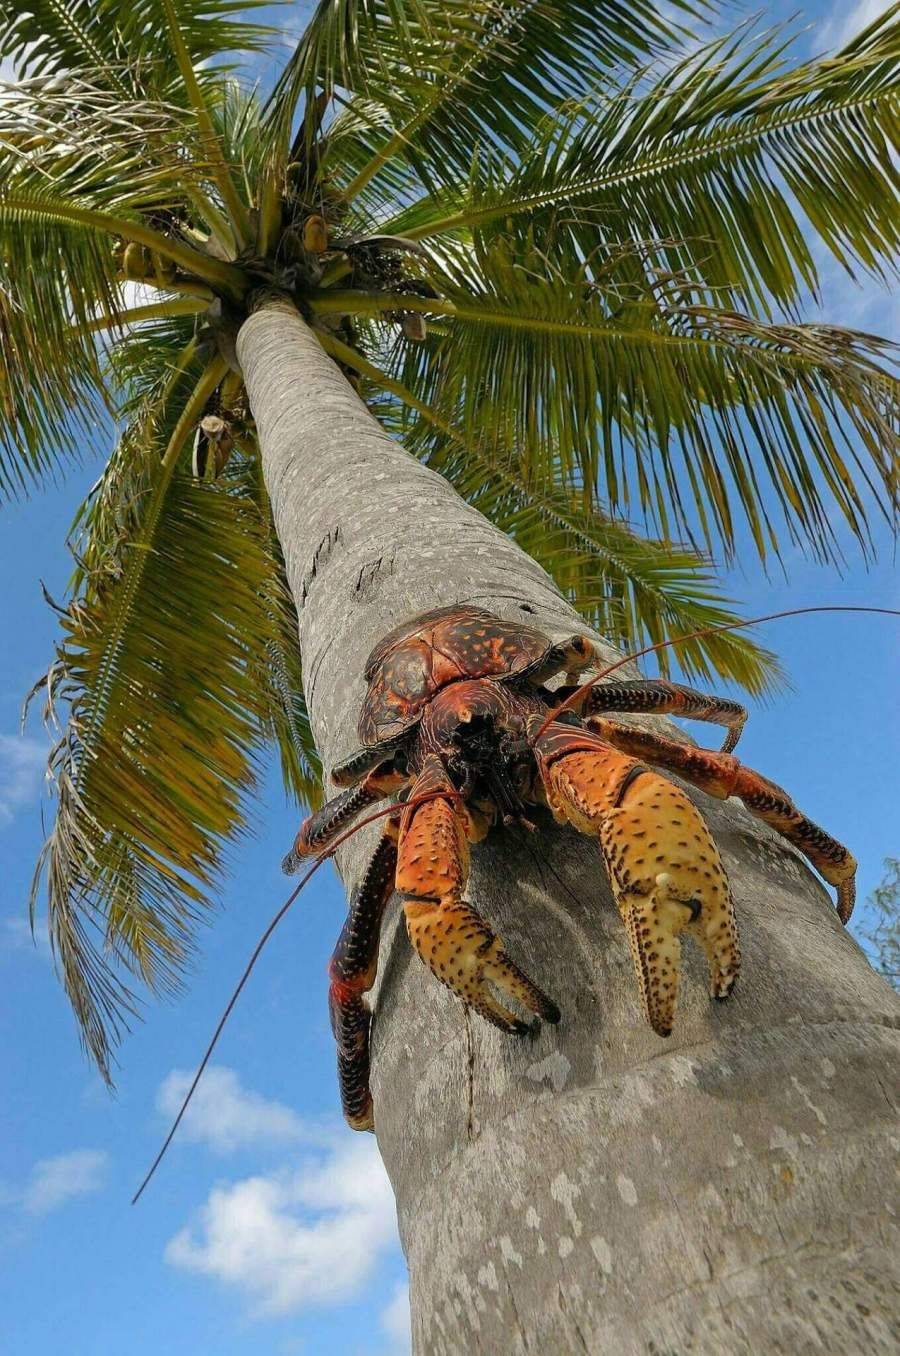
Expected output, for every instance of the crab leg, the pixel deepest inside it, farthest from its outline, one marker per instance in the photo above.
(450, 937)
(352, 970)
(652, 696)
(320, 829)
(663, 865)
(722, 776)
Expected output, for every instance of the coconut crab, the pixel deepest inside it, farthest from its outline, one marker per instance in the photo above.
(457, 708)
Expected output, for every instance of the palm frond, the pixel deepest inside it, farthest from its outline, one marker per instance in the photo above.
(453, 75)
(120, 149)
(720, 151)
(517, 62)
(688, 414)
(122, 43)
(165, 698)
(43, 335)
(210, 146)
(631, 588)
(59, 279)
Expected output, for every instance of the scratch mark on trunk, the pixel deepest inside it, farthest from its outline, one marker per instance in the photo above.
(570, 1317)
(309, 687)
(523, 1331)
(367, 579)
(320, 557)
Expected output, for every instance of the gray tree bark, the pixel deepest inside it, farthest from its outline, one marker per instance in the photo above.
(596, 1189)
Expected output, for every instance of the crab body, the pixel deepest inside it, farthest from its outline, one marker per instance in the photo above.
(458, 723)
(412, 664)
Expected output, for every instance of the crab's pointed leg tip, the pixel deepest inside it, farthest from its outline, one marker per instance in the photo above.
(290, 863)
(846, 898)
(551, 1013)
(519, 1028)
(723, 988)
(364, 1119)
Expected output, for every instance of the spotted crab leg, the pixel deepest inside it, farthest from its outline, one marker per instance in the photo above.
(450, 937)
(652, 696)
(663, 865)
(722, 776)
(320, 829)
(352, 970)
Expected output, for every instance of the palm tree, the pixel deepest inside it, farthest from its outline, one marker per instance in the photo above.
(561, 267)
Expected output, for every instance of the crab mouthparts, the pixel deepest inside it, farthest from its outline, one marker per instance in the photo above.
(477, 740)
(506, 795)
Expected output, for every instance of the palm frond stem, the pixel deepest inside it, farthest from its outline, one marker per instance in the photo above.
(209, 139)
(137, 314)
(191, 260)
(712, 148)
(193, 409)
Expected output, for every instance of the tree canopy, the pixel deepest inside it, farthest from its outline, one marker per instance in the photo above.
(561, 248)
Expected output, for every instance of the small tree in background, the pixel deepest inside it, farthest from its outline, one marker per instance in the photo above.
(883, 935)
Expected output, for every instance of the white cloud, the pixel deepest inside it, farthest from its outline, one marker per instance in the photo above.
(290, 1240)
(845, 23)
(395, 1322)
(225, 1115)
(21, 764)
(54, 1181)
(17, 936)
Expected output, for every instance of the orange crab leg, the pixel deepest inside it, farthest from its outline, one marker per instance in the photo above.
(655, 696)
(352, 971)
(663, 865)
(722, 776)
(449, 936)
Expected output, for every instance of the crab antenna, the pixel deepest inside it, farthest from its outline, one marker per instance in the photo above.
(579, 692)
(322, 857)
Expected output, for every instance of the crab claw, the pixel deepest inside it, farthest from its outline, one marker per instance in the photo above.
(462, 952)
(664, 867)
(667, 879)
(653, 924)
(450, 937)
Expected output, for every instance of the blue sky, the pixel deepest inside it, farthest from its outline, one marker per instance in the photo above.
(270, 1228)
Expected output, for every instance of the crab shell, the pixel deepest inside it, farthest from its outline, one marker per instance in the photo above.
(412, 663)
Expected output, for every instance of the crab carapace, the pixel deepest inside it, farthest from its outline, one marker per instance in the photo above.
(457, 707)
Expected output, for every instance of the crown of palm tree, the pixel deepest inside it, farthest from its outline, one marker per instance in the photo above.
(559, 257)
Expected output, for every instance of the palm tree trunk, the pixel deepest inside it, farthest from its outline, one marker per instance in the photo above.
(596, 1189)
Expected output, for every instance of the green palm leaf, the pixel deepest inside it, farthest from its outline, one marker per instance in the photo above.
(118, 41)
(635, 590)
(722, 149)
(628, 398)
(452, 76)
(165, 702)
